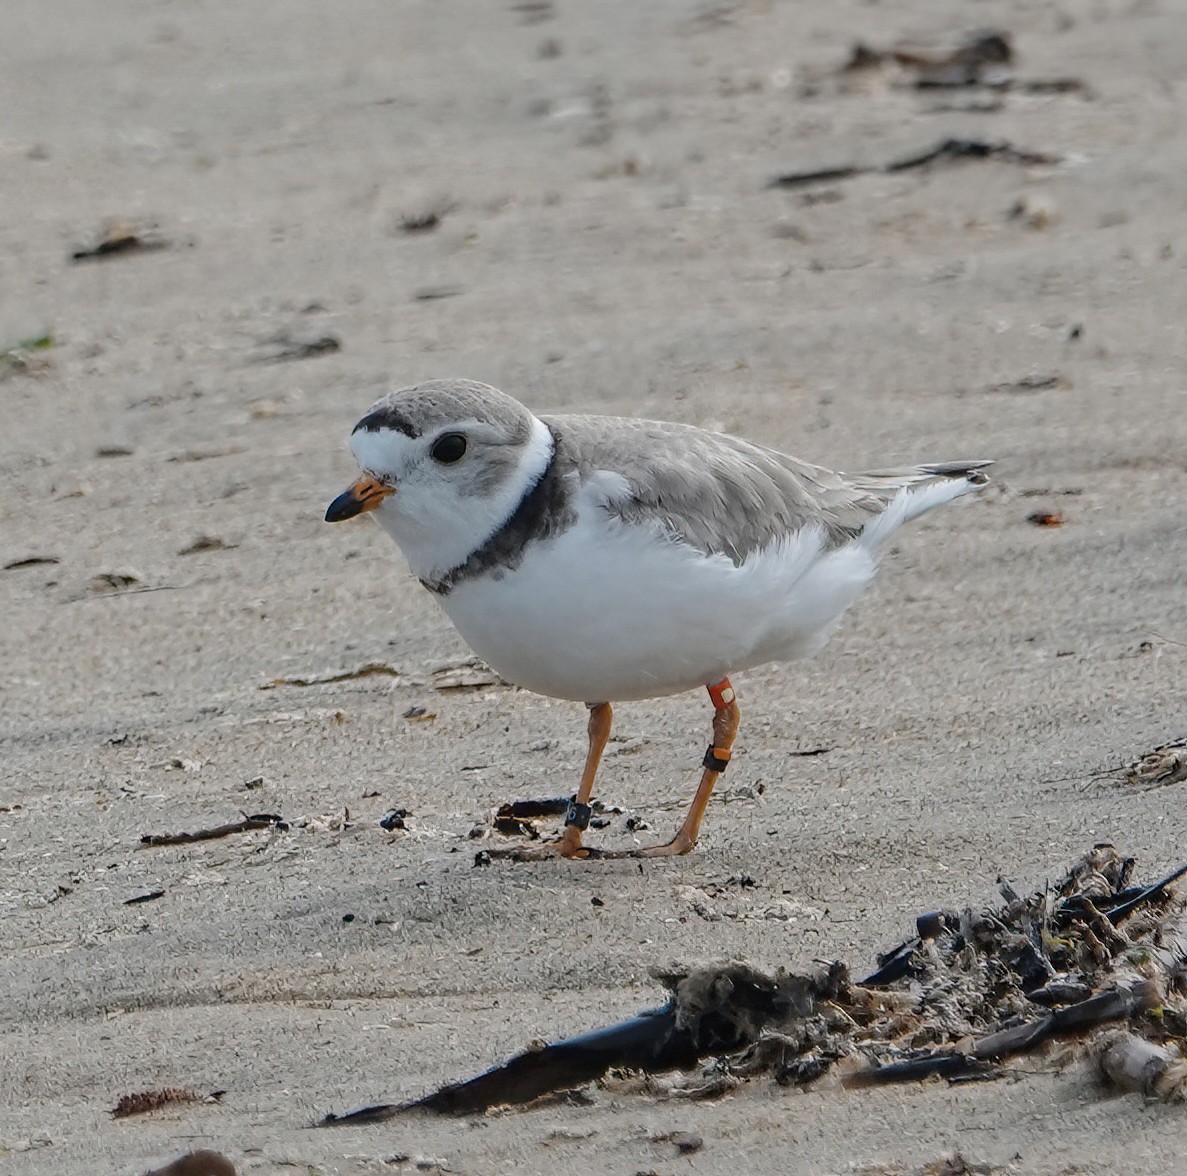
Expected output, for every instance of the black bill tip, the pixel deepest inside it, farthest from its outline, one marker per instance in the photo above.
(345, 506)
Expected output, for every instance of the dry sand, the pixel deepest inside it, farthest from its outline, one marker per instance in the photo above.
(610, 244)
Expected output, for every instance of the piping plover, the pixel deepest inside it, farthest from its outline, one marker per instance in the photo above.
(603, 559)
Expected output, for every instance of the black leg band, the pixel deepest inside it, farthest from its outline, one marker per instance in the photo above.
(578, 814)
(713, 761)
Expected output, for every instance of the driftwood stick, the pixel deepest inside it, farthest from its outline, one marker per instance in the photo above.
(258, 821)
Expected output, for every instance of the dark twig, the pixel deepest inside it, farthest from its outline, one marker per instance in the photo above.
(944, 150)
(257, 821)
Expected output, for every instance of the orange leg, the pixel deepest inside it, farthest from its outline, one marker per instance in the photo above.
(600, 719)
(577, 820)
(725, 727)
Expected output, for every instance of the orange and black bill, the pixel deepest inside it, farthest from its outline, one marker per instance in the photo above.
(366, 494)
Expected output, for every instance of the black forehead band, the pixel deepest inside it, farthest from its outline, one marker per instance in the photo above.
(387, 418)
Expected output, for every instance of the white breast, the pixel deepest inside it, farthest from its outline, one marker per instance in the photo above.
(610, 611)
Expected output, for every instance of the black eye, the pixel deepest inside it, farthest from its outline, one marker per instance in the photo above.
(449, 448)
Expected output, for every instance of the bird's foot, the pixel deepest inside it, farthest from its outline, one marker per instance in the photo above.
(566, 846)
(571, 847)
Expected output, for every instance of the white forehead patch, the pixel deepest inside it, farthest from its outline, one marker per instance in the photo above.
(381, 450)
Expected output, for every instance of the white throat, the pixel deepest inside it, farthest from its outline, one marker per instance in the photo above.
(437, 528)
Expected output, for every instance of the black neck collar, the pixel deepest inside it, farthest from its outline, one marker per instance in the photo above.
(543, 510)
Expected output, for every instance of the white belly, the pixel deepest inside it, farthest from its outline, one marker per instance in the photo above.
(610, 611)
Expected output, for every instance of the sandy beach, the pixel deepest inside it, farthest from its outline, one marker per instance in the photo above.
(575, 204)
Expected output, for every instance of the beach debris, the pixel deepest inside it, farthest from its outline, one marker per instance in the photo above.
(1047, 518)
(1035, 210)
(335, 822)
(518, 817)
(425, 219)
(31, 561)
(108, 583)
(1166, 764)
(117, 238)
(1132, 1063)
(968, 991)
(434, 293)
(685, 1142)
(982, 58)
(712, 1010)
(946, 150)
(197, 1163)
(290, 347)
(950, 1164)
(958, 149)
(394, 819)
(206, 543)
(151, 896)
(206, 453)
(1038, 382)
(23, 357)
(467, 673)
(144, 1101)
(370, 669)
(246, 825)
(533, 12)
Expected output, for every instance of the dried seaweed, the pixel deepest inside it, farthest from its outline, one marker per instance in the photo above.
(970, 989)
(1166, 764)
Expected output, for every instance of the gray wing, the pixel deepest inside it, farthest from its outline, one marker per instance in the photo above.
(726, 496)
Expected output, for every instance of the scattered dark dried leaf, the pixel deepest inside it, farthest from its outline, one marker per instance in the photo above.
(144, 1101)
(427, 219)
(433, 293)
(1035, 383)
(1047, 518)
(291, 348)
(119, 239)
(206, 543)
(151, 896)
(31, 561)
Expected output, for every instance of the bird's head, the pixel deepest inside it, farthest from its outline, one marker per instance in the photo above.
(443, 464)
